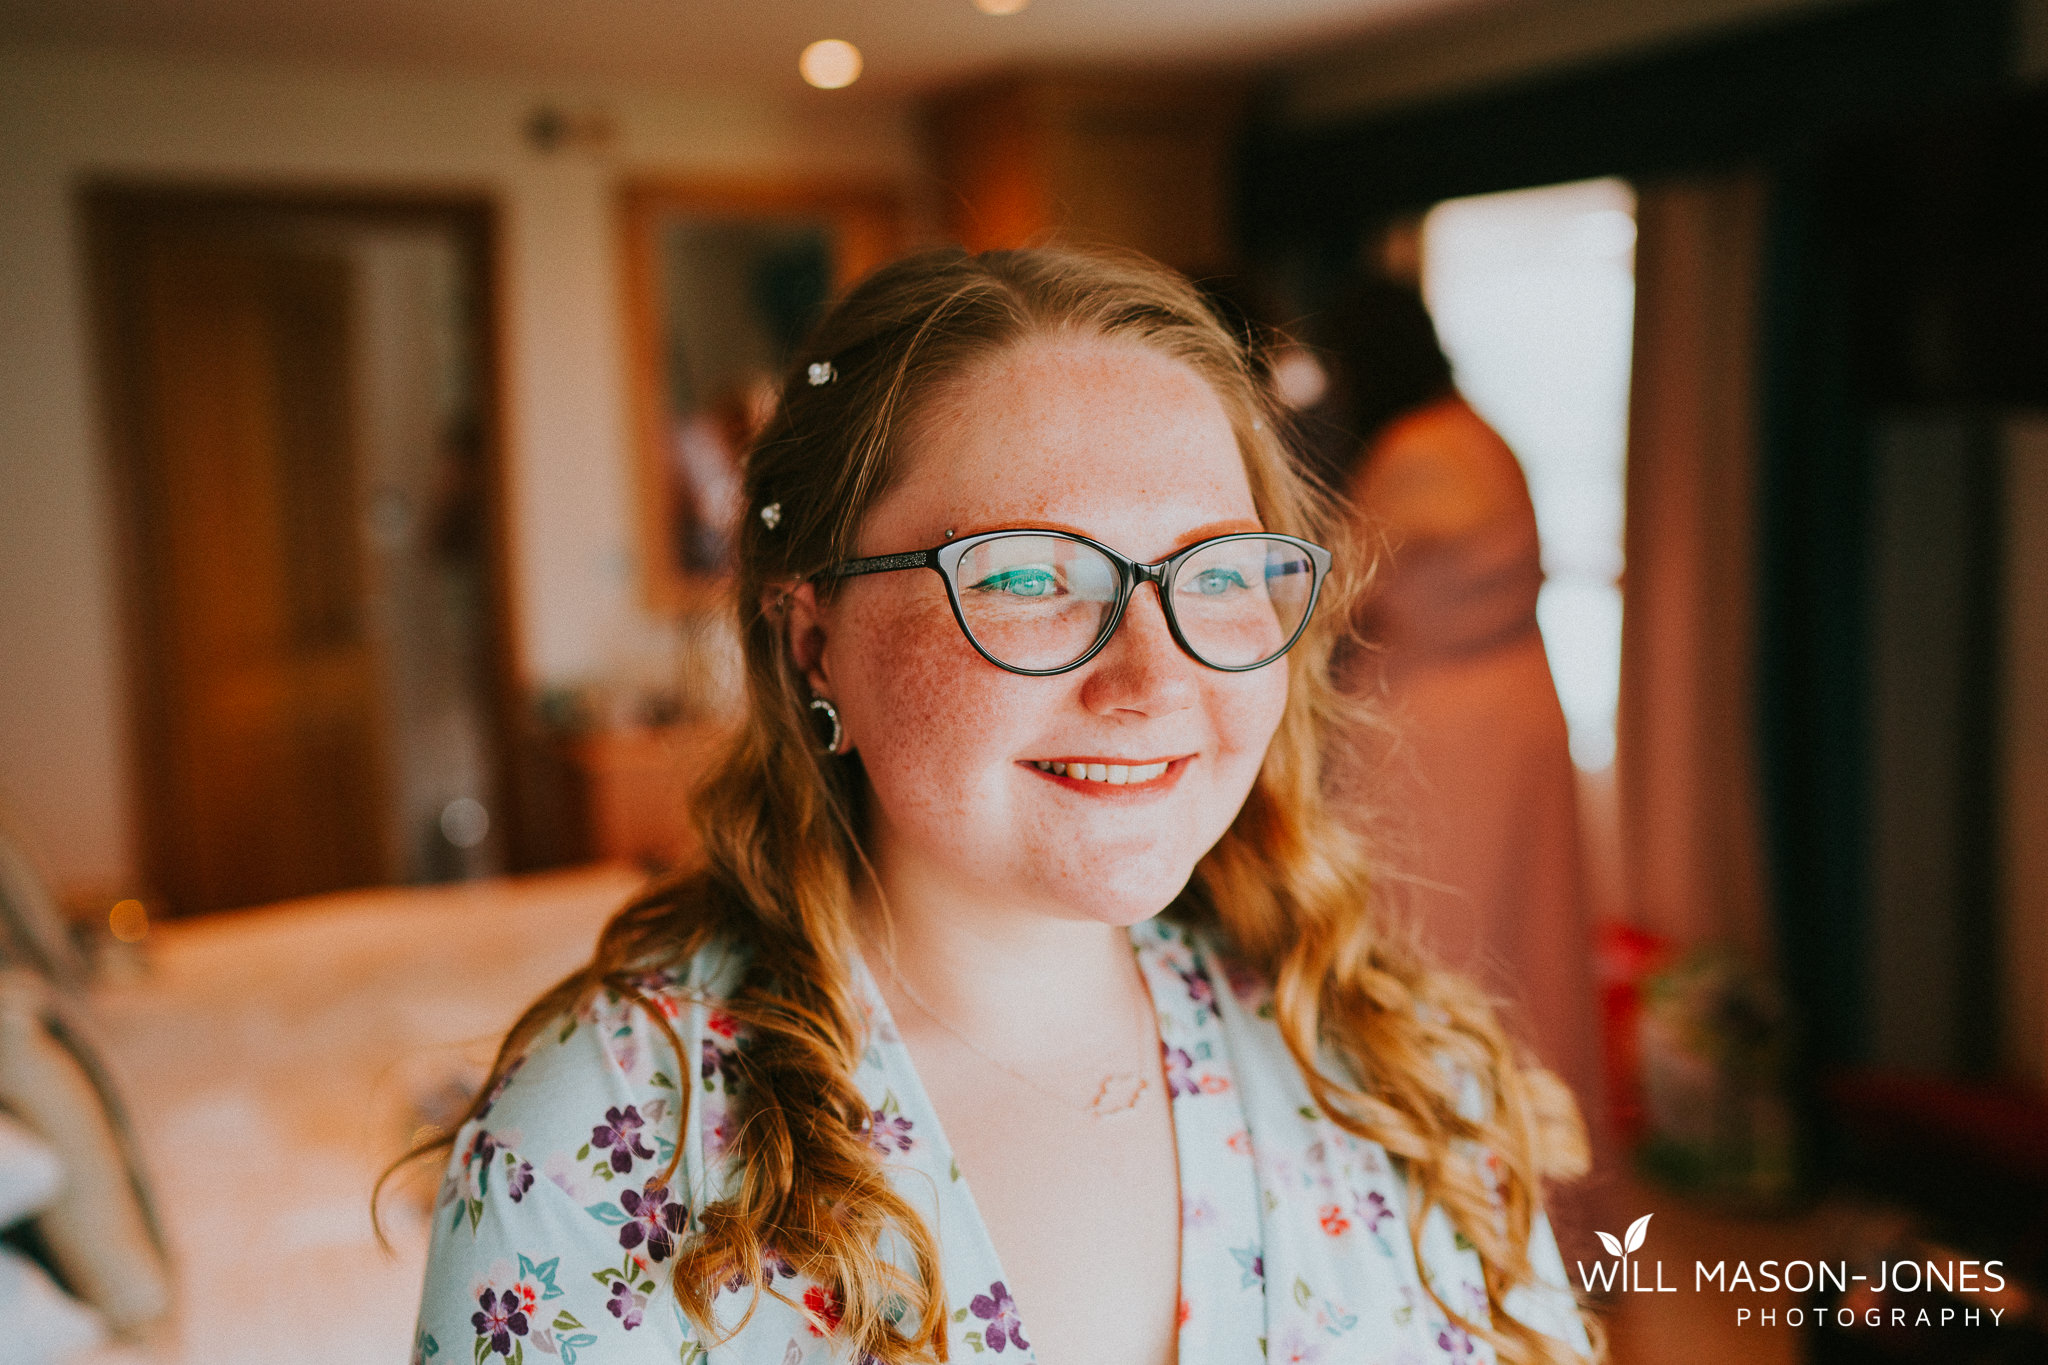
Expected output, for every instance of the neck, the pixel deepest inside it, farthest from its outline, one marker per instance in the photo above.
(1028, 976)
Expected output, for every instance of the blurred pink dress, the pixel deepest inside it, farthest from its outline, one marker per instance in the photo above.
(1475, 794)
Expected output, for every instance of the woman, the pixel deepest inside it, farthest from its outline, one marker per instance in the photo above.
(928, 953)
(1479, 793)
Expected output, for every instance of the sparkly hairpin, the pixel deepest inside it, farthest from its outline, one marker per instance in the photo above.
(771, 515)
(821, 373)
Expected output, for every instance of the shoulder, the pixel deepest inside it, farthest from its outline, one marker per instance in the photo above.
(572, 1183)
(600, 1100)
(1438, 473)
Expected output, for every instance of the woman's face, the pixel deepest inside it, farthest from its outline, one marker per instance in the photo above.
(1129, 447)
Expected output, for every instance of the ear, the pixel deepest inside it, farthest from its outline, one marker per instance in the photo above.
(804, 620)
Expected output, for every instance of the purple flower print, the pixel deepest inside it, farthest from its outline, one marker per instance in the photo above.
(1180, 1067)
(774, 1265)
(625, 1305)
(1374, 1211)
(1455, 1342)
(482, 1148)
(717, 1061)
(1200, 992)
(1004, 1326)
(620, 1131)
(503, 1318)
(519, 1180)
(889, 1133)
(652, 1219)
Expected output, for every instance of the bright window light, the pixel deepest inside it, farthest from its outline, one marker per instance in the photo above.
(1534, 298)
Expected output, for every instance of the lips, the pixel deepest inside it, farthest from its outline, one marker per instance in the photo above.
(1114, 774)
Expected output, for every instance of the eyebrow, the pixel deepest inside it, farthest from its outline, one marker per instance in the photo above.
(1230, 526)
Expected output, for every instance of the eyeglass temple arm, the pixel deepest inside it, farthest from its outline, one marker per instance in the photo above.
(853, 568)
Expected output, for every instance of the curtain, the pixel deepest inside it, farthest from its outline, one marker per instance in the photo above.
(1686, 776)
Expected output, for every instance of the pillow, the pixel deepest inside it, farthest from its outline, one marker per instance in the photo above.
(41, 1324)
(30, 1173)
(33, 930)
(101, 1232)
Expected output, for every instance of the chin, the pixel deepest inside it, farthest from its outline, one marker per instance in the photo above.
(1120, 895)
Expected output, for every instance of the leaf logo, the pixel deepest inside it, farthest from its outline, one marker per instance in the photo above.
(1638, 1232)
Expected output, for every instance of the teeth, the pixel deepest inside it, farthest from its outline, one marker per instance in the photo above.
(1116, 774)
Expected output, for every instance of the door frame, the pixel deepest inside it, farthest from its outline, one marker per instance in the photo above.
(114, 215)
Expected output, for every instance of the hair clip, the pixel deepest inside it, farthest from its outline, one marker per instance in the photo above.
(821, 372)
(771, 515)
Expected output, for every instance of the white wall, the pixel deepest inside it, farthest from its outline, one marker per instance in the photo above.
(67, 117)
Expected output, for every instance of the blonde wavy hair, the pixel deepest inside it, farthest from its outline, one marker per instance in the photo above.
(1386, 1043)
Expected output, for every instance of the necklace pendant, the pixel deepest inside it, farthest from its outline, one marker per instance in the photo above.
(1118, 1094)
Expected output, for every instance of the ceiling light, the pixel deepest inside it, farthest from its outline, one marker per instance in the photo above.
(1000, 6)
(830, 64)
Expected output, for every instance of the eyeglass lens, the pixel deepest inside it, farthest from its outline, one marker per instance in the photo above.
(1041, 602)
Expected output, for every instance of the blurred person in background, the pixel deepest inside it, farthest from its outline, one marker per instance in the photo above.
(1470, 784)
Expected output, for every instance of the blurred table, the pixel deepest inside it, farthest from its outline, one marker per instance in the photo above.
(635, 786)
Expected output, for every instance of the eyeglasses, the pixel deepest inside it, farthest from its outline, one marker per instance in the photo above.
(1044, 602)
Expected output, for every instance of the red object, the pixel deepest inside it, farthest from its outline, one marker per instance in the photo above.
(1626, 957)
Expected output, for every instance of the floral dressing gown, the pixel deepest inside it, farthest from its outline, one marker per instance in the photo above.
(553, 1228)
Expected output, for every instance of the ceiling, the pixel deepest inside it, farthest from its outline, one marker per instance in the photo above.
(908, 44)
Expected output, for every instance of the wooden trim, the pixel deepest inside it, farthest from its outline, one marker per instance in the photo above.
(867, 231)
(113, 216)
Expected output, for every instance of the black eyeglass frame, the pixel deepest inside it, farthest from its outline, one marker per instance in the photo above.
(945, 561)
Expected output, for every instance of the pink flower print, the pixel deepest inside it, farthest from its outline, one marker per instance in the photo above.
(1004, 1328)
(1239, 1142)
(1333, 1220)
(1295, 1347)
(717, 1132)
(1213, 1084)
(722, 1024)
(567, 1177)
(1196, 1214)
(1247, 985)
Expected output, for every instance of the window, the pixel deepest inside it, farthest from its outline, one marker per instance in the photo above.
(1533, 293)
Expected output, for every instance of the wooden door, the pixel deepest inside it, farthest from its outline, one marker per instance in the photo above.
(264, 747)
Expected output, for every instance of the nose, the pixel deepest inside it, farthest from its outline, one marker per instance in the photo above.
(1142, 671)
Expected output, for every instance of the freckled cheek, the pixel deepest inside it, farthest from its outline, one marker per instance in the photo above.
(1246, 710)
(930, 716)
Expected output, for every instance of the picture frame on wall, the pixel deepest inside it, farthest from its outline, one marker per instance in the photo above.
(722, 281)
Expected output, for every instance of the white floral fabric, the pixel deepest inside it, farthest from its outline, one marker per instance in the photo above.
(553, 1226)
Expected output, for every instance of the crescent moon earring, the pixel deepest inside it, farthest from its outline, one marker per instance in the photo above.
(836, 745)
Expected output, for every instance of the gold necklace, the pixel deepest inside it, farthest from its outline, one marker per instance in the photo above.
(1119, 1092)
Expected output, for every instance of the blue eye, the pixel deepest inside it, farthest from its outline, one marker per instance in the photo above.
(1215, 582)
(1031, 580)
